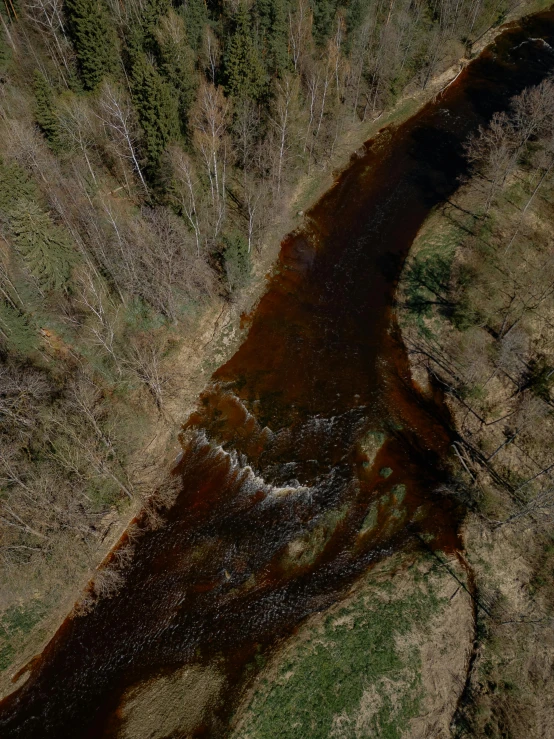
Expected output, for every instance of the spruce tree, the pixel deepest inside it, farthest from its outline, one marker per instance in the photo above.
(156, 102)
(273, 32)
(195, 14)
(94, 38)
(324, 14)
(15, 330)
(4, 51)
(141, 35)
(237, 261)
(244, 74)
(177, 62)
(150, 16)
(356, 12)
(280, 61)
(44, 110)
(15, 185)
(44, 247)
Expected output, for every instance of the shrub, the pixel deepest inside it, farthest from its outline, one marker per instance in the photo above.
(237, 260)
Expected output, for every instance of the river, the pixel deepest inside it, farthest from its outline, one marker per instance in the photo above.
(280, 461)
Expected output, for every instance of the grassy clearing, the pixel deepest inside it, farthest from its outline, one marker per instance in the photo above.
(370, 446)
(426, 282)
(357, 670)
(16, 622)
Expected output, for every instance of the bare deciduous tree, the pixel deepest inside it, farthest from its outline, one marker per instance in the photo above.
(189, 192)
(211, 53)
(492, 149)
(48, 17)
(210, 119)
(76, 125)
(117, 114)
(286, 93)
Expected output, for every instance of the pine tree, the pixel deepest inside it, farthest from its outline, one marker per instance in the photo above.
(44, 247)
(244, 74)
(44, 110)
(156, 102)
(94, 38)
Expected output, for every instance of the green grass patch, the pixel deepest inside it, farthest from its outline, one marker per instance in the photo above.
(399, 492)
(15, 624)
(371, 519)
(354, 672)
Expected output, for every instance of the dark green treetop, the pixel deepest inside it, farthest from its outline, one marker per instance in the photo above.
(44, 110)
(94, 38)
(45, 248)
(143, 35)
(4, 50)
(157, 105)
(271, 16)
(15, 185)
(15, 330)
(245, 76)
(177, 62)
(195, 15)
(324, 14)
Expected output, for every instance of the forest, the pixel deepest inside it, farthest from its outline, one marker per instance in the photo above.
(477, 309)
(146, 148)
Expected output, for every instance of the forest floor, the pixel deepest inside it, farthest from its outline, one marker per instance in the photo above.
(501, 402)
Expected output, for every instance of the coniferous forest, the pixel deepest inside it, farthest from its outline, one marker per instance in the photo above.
(146, 147)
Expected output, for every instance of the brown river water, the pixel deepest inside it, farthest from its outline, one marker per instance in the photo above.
(277, 450)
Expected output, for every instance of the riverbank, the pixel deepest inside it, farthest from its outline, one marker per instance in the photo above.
(190, 365)
(387, 660)
(477, 317)
(317, 385)
(508, 565)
